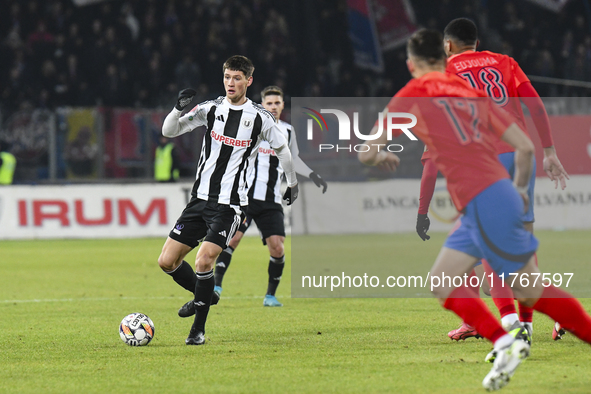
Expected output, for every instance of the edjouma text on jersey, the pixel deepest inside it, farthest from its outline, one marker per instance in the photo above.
(478, 62)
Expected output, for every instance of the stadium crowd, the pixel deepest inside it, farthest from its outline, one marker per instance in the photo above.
(139, 53)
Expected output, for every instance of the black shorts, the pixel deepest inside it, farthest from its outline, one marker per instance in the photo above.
(206, 221)
(267, 215)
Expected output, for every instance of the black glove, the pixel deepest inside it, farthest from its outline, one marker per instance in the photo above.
(318, 181)
(291, 194)
(185, 98)
(423, 224)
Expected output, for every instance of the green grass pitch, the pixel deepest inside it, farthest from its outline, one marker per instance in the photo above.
(61, 303)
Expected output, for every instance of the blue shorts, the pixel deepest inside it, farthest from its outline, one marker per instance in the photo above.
(492, 228)
(508, 161)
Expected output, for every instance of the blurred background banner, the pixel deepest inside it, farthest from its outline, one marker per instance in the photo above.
(81, 142)
(90, 211)
(367, 51)
(554, 5)
(395, 22)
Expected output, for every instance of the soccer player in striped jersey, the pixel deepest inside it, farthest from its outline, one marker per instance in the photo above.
(460, 126)
(264, 200)
(501, 78)
(235, 128)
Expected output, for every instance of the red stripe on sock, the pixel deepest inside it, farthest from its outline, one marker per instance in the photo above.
(474, 312)
(566, 310)
(526, 314)
(500, 291)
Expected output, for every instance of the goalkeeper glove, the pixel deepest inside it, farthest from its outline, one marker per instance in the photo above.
(423, 224)
(185, 98)
(291, 194)
(318, 181)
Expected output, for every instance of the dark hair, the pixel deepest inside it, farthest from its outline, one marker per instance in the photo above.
(461, 30)
(426, 45)
(239, 63)
(271, 91)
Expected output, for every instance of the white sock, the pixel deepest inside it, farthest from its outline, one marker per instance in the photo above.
(529, 326)
(508, 320)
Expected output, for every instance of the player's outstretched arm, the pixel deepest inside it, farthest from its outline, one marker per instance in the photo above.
(301, 167)
(318, 181)
(428, 180)
(534, 104)
(376, 156)
(284, 156)
(554, 168)
(173, 124)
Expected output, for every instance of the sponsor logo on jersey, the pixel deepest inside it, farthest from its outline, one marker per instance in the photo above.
(266, 151)
(230, 141)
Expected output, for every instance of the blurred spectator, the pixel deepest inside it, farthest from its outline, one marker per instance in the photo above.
(7, 164)
(187, 73)
(166, 162)
(81, 154)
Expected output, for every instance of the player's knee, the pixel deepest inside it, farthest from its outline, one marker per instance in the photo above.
(166, 263)
(275, 245)
(206, 257)
(277, 250)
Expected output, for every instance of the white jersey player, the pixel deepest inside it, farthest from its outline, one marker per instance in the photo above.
(235, 128)
(264, 206)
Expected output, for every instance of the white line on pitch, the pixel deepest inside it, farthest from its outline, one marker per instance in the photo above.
(112, 299)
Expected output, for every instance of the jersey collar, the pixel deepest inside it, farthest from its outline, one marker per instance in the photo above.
(458, 54)
(236, 106)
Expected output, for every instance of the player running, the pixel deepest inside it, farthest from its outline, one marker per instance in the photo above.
(501, 78)
(264, 204)
(264, 200)
(460, 130)
(235, 128)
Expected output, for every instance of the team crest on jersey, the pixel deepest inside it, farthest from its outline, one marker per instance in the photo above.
(247, 123)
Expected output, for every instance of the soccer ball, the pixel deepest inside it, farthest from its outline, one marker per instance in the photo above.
(136, 329)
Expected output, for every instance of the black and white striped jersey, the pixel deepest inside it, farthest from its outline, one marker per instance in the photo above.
(264, 178)
(231, 141)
